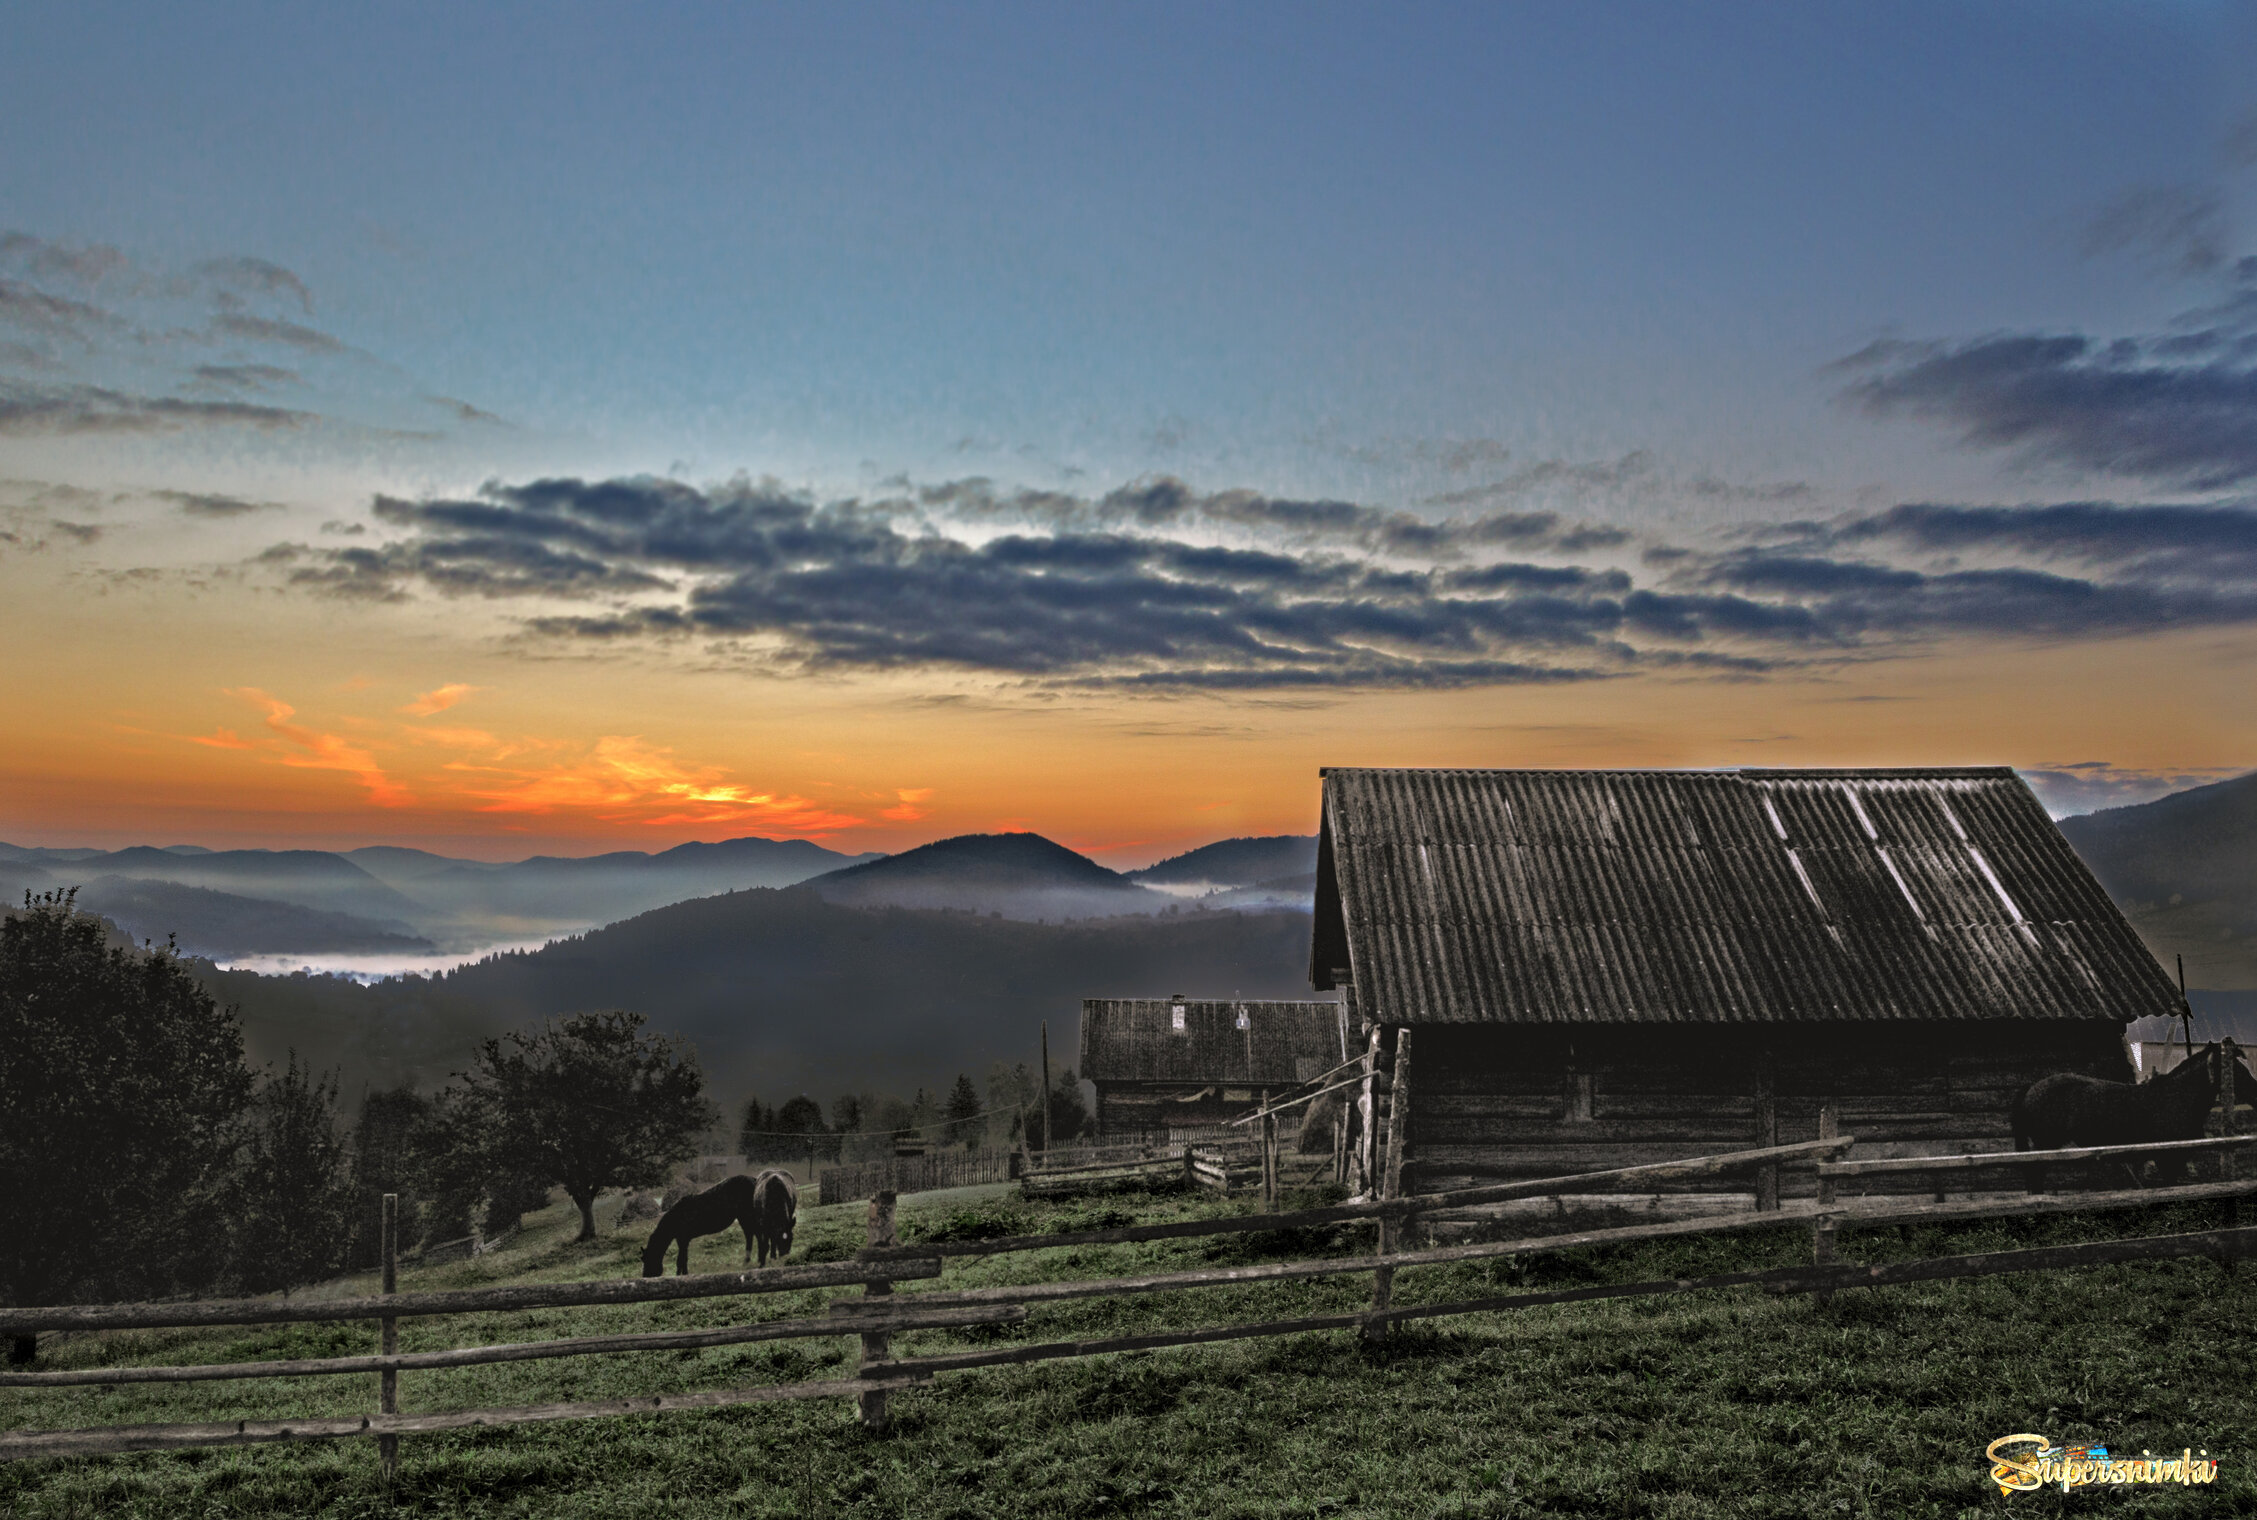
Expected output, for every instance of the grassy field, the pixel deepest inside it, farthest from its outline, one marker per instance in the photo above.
(1878, 1403)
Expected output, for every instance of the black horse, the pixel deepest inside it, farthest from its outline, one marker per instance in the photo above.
(763, 1207)
(2068, 1109)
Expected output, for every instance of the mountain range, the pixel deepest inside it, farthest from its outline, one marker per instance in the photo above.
(795, 968)
(388, 901)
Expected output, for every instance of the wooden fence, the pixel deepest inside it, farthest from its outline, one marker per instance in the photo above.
(884, 1262)
(915, 1174)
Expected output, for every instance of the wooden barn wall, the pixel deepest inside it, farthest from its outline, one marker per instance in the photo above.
(1548, 1102)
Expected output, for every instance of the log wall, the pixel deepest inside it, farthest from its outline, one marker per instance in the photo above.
(1547, 1102)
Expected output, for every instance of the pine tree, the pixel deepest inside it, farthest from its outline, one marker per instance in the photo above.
(964, 1118)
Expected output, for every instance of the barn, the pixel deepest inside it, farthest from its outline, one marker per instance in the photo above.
(1174, 1070)
(1606, 968)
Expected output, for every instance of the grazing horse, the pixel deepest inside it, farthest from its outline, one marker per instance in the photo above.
(2069, 1109)
(778, 1212)
(741, 1201)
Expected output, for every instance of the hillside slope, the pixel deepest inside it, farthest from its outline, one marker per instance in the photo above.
(2184, 869)
(783, 991)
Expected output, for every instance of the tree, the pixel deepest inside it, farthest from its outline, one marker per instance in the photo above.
(846, 1113)
(965, 1121)
(385, 1160)
(588, 1103)
(1068, 1114)
(291, 1201)
(122, 1086)
(755, 1131)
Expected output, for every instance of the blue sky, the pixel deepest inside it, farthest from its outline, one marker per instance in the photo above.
(1711, 341)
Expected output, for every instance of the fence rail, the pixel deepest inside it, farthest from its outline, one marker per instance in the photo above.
(884, 1263)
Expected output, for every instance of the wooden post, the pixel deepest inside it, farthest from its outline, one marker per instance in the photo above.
(1269, 1153)
(1366, 1181)
(1042, 1104)
(1391, 1180)
(1190, 1174)
(1766, 1128)
(876, 1347)
(2230, 1055)
(1822, 1234)
(388, 1382)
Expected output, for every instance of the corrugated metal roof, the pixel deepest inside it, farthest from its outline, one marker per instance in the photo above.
(1134, 1040)
(1475, 896)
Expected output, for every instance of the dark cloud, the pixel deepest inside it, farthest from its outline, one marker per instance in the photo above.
(1126, 589)
(2197, 542)
(1165, 502)
(88, 264)
(53, 316)
(2142, 408)
(247, 377)
(256, 277)
(465, 412)
(72, 409)
(851, 586)
(275, 330)
(2180, 227)
(212, 505)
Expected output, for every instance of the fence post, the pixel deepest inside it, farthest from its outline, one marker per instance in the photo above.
(1766, 1130)
(1391, 1180)
(2230, 1055)
(1269, 1153)
(1822, 1233)
(1366, 1163)
(876, 1347)
(1190, 1172)
(388, 1381)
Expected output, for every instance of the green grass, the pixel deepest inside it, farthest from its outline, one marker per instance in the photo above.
(1714, 1404)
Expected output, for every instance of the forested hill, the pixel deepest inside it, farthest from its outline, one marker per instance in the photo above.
(2184, 868)
(783, 992)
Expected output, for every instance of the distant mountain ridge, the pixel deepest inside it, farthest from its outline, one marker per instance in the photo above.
(388, 899)
(1246, 862)
(1023, 876)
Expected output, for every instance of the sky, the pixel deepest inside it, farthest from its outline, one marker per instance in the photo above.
(564, 428)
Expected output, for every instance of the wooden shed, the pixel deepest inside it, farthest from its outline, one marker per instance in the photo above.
(1172, 1070)
(1603, 968)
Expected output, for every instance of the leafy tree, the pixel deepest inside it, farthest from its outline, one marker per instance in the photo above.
(965, 1122)
(122, 1085)
(588, 1102)
(846, 1114)
(290, 1204)
(386, 1160)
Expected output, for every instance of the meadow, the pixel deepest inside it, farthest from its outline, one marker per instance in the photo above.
(1715, 1404)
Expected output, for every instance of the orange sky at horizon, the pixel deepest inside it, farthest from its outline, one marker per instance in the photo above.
(231, 718)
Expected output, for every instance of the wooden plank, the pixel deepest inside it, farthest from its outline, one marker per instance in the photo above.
(1125, 1167)
(1702, 1133)
(904, 1318)
(913, 1263)
(1982, 1160)
(105, 1439)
